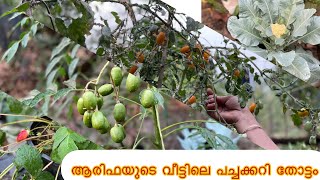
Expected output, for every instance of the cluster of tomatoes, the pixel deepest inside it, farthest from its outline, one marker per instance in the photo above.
(91, 102)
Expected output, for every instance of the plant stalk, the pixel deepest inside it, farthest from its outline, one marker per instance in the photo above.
(157, 130)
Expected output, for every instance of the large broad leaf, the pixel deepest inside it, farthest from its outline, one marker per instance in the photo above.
(248, 8)
(284, 58)
(302, 22)
(267, 7)
(261, 52)
(313, 32)
(290, 8)
(299, 68)
(29, 158)
(313, 63)
(244, 30)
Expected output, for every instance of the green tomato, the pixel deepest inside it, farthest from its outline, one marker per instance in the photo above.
(105, 90)
(89, 100)
(116, 75)
(117, 133)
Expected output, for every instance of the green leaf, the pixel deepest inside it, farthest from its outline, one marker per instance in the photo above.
(302, 22)
(244, 31)
(159, 97)
(261, 52)
(313, 32)
(52, 64)
(8, 55)
(299, 68)
(40, 97)
(61, 93)
(59, 136)
(313, 63)
(116, 16)
(45, 175)
(193, 25)
(75, 50)
(228, 143)
(297, 121)
(51, 76)
(21, 8)
(283, 58)
(71, 83)
(29, 158)
(66, 146)
(269, 9)
(57, 50)
(248, 9)
(73, 66)
(25, 40)
(34, 28)
(15, 106)
(2, 137)
(289, 10)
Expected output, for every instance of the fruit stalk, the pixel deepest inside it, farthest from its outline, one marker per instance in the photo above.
(157, 130)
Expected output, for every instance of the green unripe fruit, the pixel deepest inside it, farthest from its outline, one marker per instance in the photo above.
(307, 126)
(106, 128)
(98, 120)
(89, 100)
(80, 106)
(147, 98)
(313, 140)
(116, 76)
(87, 117)
(99, 102)
(117, 133)
(133, 83)
(105, 90)
(119, 112)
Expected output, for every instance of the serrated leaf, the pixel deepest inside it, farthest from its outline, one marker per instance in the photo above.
(284, 58)
(59, 136)
(72, 66)
(313, 32)
(299, 68)
(244, 31)
(21, 8)
(302, 22)
(29, 158)
(9, 54)
(15, 106)
(61, 93)
(57, 50)
(66, 146)
(45, 175)
(52, 64)
(228, 143)
(40, 97)
(51, 76)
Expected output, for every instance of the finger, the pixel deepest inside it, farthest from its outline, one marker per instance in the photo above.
(222, 99)
(211, 106)
(210, 92)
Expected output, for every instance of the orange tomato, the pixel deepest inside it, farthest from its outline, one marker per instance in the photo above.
(133, 69)
(303, 112)
(236, 73)
(192, 100)
(252, 107)
(185, 49)
(206, 55)
(140, 57)
(161, 38)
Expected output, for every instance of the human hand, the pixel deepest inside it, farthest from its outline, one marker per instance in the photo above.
(223, 108)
